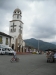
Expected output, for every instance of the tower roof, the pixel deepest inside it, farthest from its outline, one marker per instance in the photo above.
(17, 10)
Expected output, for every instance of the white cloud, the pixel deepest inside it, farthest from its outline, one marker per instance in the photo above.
(39, 18)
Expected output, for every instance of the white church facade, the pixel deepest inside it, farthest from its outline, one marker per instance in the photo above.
(16, 31)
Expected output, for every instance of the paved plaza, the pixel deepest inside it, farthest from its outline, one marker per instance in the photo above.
(28, 65)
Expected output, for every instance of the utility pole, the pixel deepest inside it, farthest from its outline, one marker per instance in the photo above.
(38, 45)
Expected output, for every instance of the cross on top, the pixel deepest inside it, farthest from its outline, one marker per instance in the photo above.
(13, 26)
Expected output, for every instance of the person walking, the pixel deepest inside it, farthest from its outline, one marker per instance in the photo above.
(14, 54)
(54, 56)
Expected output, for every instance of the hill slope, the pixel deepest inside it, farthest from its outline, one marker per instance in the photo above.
(53, 43)
(42, 45)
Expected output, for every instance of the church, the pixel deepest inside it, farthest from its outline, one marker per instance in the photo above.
(15, 37)
(16, 31)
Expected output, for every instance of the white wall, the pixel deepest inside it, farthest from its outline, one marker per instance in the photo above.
(15, 17)
(15, 34)
(4, 40)
(17, 22)
(23, 43)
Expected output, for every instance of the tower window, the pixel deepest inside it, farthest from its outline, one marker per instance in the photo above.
(17, 16)
(11, 30)
(14, 12)
(15, 30)
(20, 31)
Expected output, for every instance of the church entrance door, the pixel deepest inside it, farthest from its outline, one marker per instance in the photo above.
(22, 49)
(12, 46)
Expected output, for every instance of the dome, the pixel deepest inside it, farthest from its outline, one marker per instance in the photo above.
(17, 10)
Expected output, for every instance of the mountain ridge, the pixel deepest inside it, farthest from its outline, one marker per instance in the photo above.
(42, 44)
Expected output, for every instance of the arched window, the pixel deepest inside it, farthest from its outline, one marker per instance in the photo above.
(14, 12)
(20, 31)
(11, 30)
(17, 16)
(15, 30)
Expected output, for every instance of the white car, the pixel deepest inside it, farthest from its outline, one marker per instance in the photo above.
(9, 51)
(2, 50)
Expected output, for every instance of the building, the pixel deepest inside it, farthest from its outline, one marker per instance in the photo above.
(5, 39)
(16, 31)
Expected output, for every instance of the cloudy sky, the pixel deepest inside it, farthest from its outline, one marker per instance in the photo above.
(38, 16)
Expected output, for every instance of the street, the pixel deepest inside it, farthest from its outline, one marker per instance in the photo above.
(31, 64)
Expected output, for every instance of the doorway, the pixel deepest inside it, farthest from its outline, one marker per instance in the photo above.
(12, 46)
(22, 48)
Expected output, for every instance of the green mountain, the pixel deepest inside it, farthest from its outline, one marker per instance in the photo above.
(53, 43)
(42, 45)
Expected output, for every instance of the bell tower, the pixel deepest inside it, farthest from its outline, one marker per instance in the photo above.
(17, 14)
(16, 29)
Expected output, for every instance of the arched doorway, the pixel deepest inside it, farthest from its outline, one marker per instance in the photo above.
(25, 49)
(22, 48)
(12, 46)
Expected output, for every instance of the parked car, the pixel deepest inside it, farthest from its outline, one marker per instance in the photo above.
(2, 50)
(9, 51)
(3, 46)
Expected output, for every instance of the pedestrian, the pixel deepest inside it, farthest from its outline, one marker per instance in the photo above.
(14, 54)
(54, 56)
